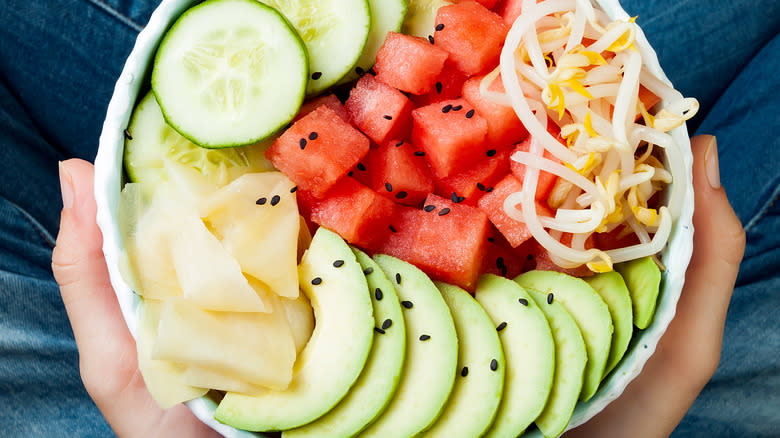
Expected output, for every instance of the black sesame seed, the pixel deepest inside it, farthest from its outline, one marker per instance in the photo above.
(550, 298)
(523, 301)
(378, 294)
(489, 189)
(419, 153)
(481, 186)
(350, 173)
(503, 271)
(386, 325)
(359, 71)
(388, 187)
(392, 228)
(316, 281)
(387, 117)
(499, 262)
(338, 263)
(401, 195)
(469, 113)
(490, 152)
(294, 189)
(379, 330)
(429, 208)
(127, 135)
(440, 27)
(447, 108)
(457, 199)
(493, 365)
(261, 201)
(372, 71)
(361, 166)
(501, 326)
(398, 278)
(399, 144)
(430, 39)
(313, 136)
(316, 75)
(424, 337)
(439, 87)
(464, 372)
(457, 107)
(444, 211)
(407, 304)
(368, 271)
(490, 239)
(529, 257)
(275, 200)
(302, 143)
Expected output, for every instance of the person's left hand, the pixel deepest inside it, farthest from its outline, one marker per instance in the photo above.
(107, 351)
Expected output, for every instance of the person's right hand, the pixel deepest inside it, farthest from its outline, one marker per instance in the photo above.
(688, 353)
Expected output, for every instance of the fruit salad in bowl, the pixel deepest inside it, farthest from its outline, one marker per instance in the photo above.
(394, 217)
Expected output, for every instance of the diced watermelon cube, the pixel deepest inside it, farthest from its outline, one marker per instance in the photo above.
(546, 181)
(503, 125)
(379, 110)
(317, 150)
(451, 134)
(400, 240)
(486, 3)
(329, 100)
(409, 63)
(358, 214)
(509, 10)
(505, 261)
(472, 35)
(449, 85)
(477, 180)
(492, 204)
(400, 173)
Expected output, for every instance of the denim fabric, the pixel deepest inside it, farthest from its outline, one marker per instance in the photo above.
(58, 63)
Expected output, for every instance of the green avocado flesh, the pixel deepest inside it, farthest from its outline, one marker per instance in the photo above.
(588, 310)
(643, 279)
(379, 379)
(612, 289)
(431, 354)
(328, 366)
(480, 383)
(570, 360)
(528, 349)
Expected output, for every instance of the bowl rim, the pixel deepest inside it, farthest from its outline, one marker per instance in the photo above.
(108, 181)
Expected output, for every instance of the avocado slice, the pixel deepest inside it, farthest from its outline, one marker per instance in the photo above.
(476, 396)
(377, 383)
(529, 350)
(588, 310)
(643, 279)
(570, 360)
(334, 356)
(431, 354)
(613, 291)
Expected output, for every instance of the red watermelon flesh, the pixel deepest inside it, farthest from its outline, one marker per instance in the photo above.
(329, 100)
(546, 181)
(399, 172)
(472, 35)
(620, 237)
(503, 125)
(448, 85)
(409, 63)
(400, 240)
(317, 150)
(477, 180)
(504, 261)
(379, 110)
(486, 3)
(540, 260)
(358, 214)
(492, 204)
(451, 134)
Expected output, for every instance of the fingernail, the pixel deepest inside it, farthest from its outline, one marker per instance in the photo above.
(66, 187)
(712, 168)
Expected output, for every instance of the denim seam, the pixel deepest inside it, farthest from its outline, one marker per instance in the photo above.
(118, 15)
(35, 224)
(764, 210)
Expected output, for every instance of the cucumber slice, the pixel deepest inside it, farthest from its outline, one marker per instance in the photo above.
(230, 73)
(421, 17)
(334, 31)
(386, 16)
(152, 142)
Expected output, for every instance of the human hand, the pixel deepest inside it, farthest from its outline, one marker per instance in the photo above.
(107, 351)
(688, 353)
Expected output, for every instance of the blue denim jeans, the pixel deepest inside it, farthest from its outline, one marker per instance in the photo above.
(59, 61)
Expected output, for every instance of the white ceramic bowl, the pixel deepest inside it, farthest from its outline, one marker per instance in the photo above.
(108, 183)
